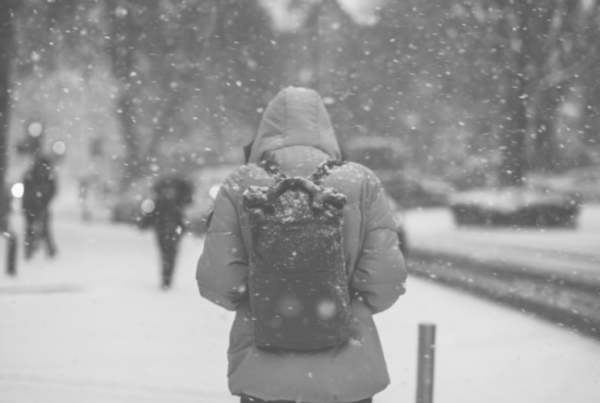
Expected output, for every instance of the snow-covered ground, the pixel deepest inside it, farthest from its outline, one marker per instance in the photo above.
(92, 325)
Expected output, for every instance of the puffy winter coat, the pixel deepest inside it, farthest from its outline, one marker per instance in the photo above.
(296, 132)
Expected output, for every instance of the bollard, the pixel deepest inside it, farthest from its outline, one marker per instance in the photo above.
(11, 253)
(425, 363)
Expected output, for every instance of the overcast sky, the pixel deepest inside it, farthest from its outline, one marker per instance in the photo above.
(362, 11)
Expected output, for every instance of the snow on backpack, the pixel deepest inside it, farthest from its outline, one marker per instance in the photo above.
(298, 283)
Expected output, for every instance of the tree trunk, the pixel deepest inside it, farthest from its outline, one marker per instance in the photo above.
(133, 165)
(314, 46)
(591, 114)
(514, 127)
(6, 39)
(122, 52)
(512, 167)
(544, 147)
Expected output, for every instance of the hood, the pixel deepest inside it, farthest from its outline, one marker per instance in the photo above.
(295, 117)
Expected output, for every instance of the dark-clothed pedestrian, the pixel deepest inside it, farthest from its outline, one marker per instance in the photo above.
(166, 216)
(39, 188)
(296, 134)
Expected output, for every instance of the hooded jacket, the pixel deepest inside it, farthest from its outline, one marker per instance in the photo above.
(297, 134)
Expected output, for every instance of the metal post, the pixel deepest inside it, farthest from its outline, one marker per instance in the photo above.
(425, 363)
(11, 253)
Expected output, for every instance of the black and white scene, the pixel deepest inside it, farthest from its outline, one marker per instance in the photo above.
(299, 201)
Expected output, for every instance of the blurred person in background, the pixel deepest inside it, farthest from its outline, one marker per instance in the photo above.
(165, 213)
(39, 188)
(91, 187)
(84, 201)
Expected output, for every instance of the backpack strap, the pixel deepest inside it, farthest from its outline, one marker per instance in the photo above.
(324, 169)
(259, 196)
(273, 170)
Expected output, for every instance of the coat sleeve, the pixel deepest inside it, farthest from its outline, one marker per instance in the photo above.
(222, 269)
(380, 273)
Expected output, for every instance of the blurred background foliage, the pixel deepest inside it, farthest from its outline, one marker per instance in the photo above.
(466, 93)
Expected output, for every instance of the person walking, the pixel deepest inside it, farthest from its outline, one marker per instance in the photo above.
(296, 135)
(39, 188)
(166, 216)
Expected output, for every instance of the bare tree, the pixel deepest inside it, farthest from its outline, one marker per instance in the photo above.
(7, 9)
(155, 50)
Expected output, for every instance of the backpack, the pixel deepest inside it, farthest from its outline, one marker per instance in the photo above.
(298, 285)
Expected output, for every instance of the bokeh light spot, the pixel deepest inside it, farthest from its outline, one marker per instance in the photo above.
(59, 147)
(35, 129)
(17, 190)
(148, 206)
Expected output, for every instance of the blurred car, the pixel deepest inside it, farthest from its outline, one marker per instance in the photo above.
(581, 184)
(514, 207)
(415, 191)
(386, 157)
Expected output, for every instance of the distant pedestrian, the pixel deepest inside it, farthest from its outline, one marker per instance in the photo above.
(40, 186)
(166, 216)
(256, 254)
(85, 182)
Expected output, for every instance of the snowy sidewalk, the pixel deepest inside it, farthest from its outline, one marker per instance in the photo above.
(554, 273)
(93, 326)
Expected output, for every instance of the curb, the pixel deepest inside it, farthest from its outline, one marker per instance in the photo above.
(570, 300)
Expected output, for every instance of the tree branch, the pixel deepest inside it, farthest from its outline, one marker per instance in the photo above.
(558, 77)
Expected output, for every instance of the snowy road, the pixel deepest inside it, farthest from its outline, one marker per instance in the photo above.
(552, 249)
(93, 326)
